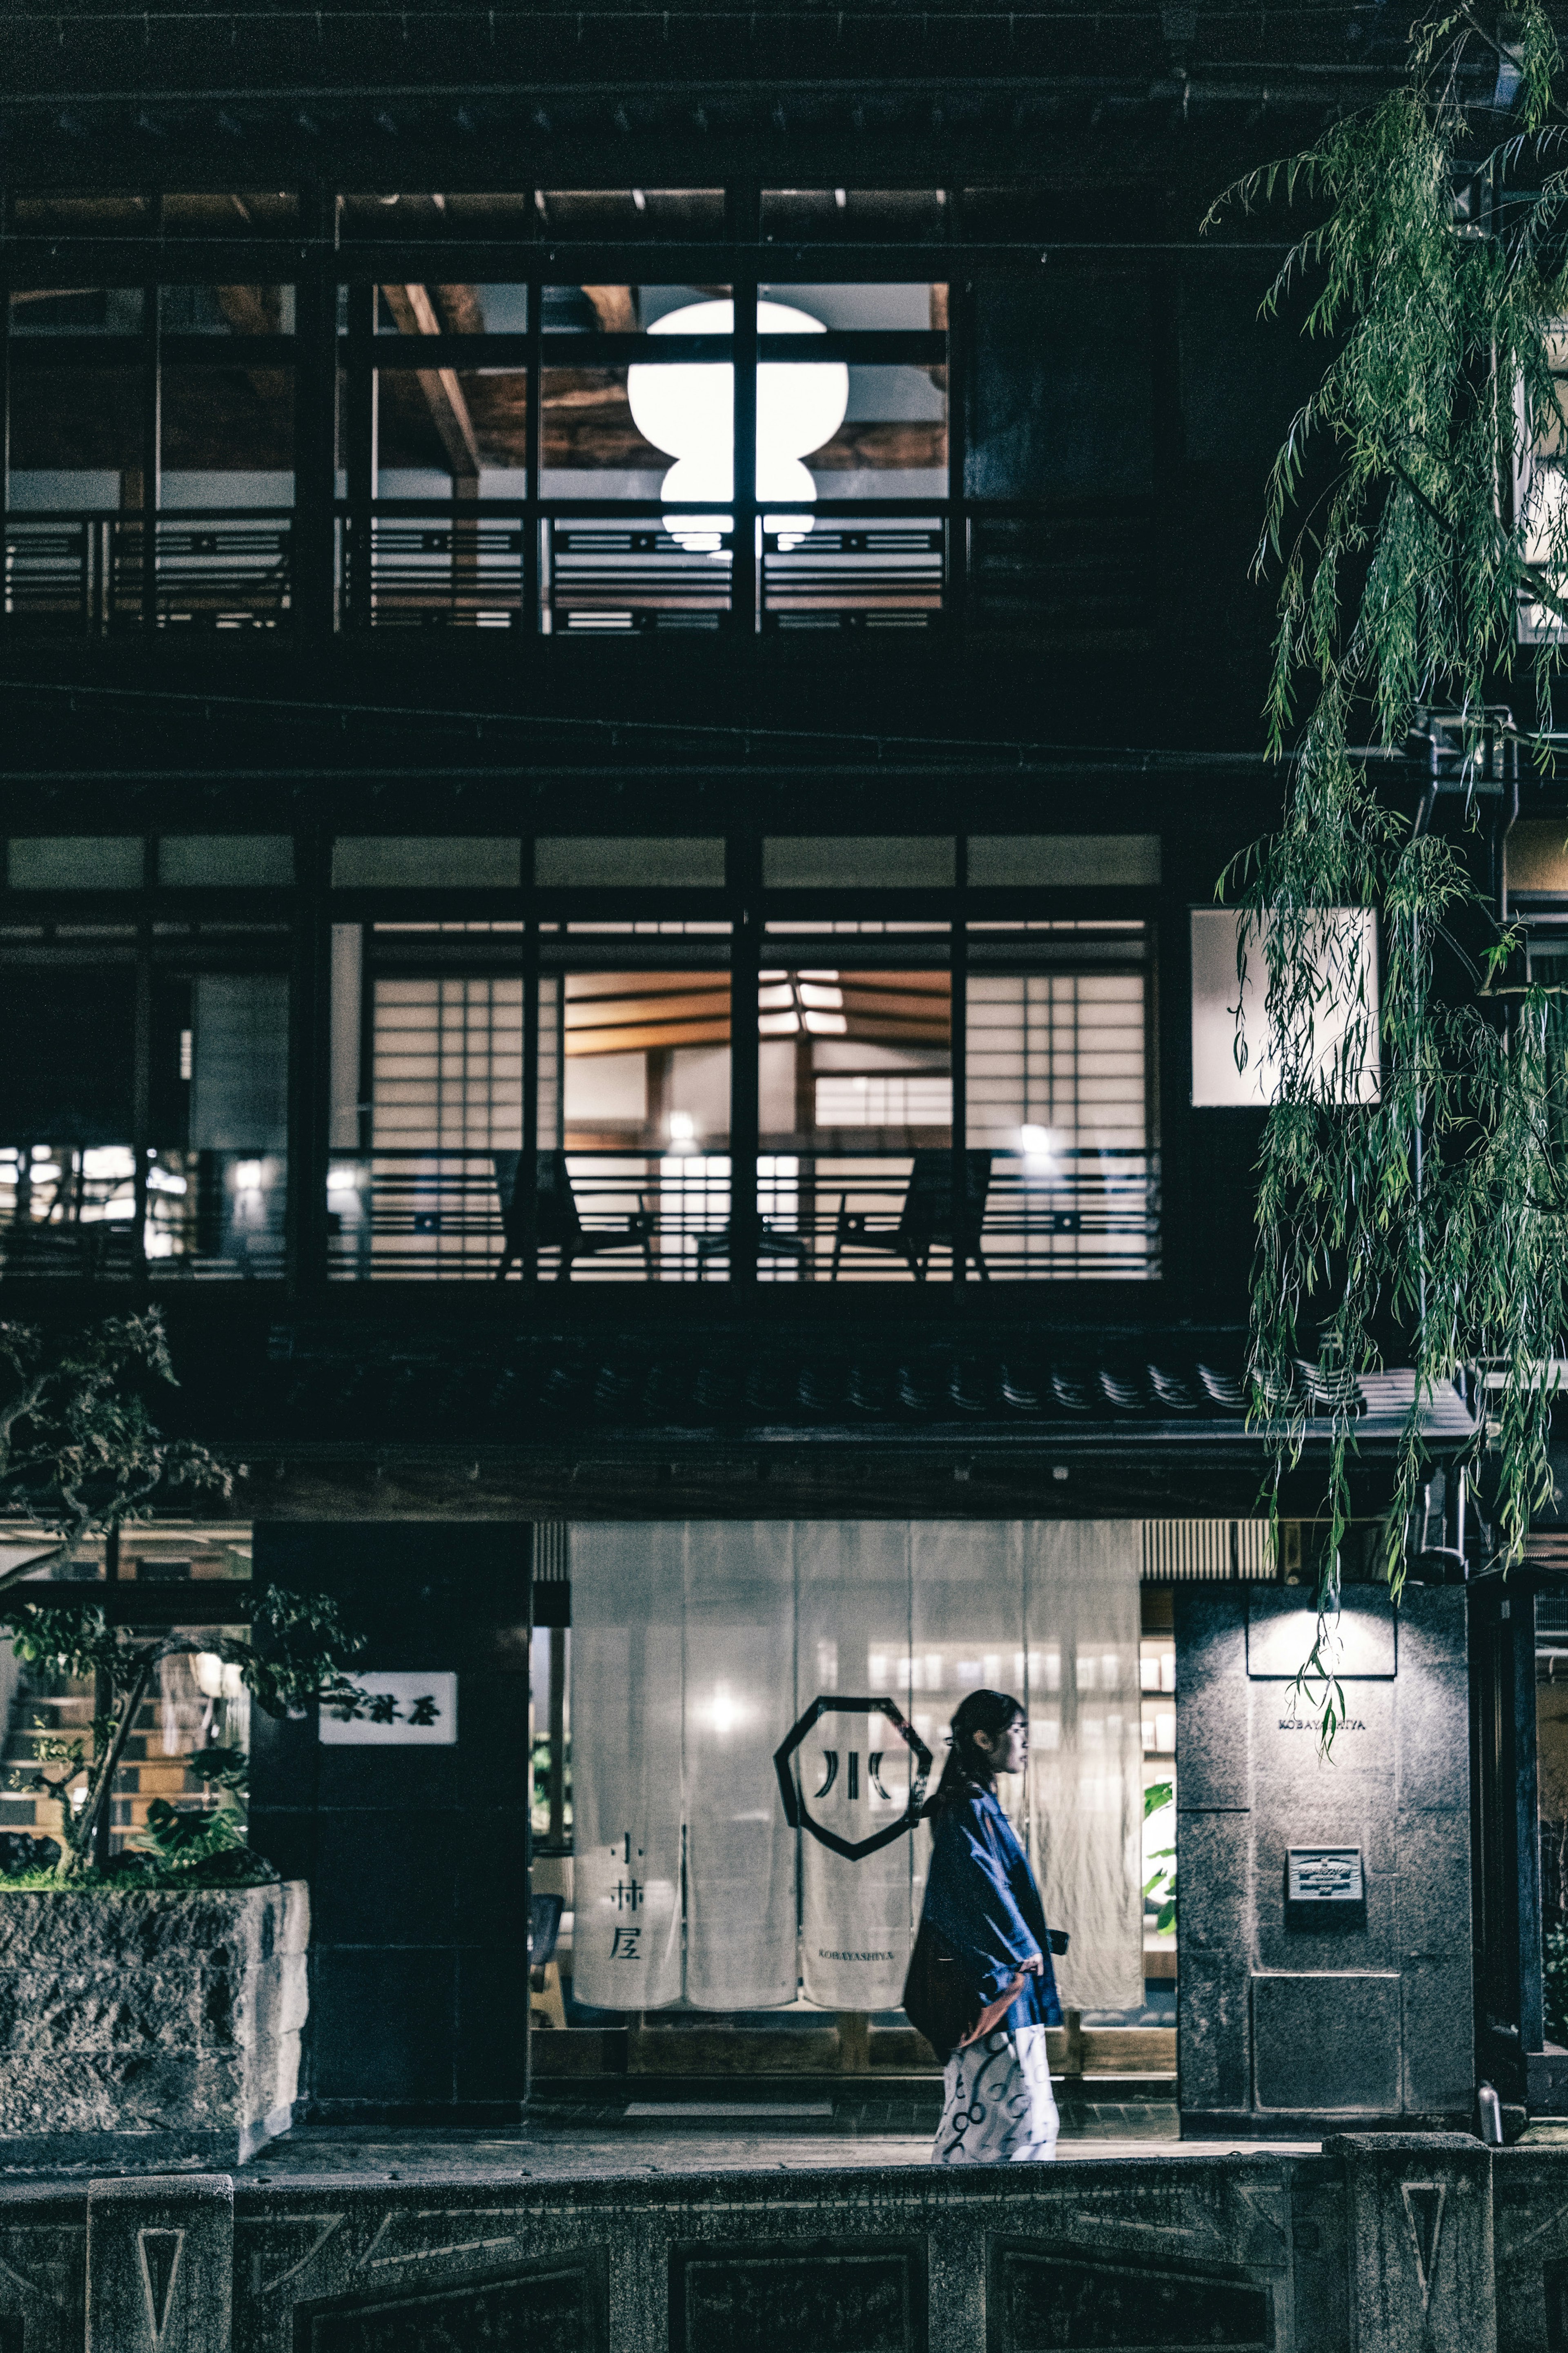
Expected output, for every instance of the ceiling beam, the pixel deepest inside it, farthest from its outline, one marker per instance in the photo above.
(414, 314)
(616, 311)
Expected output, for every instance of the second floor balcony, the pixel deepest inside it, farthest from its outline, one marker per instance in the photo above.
(872, 1102)
(545, 459)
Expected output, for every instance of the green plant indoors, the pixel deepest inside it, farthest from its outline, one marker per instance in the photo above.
(1413, 1173)
(1161, 1883)
(81, 1453)
(300, 1651)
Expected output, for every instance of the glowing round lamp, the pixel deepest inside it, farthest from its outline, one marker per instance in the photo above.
(688, 410)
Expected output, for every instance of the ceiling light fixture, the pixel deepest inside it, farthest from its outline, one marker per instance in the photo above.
(688, 410)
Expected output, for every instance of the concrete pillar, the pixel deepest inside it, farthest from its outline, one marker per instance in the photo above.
(160, 2263)
(1419, 2243)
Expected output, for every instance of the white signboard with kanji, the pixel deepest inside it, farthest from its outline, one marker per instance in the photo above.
(398, 1708)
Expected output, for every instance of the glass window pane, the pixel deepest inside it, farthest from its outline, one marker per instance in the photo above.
(227, 487)
(409, 308)
(80, 310)
(854, 1176)
(634, 1176)
(609, 572)
(893, 440)
(588, 430)
(888, 306)
(75, 437)
(217, 1185)
(229, 436)
(1057, 1087)
(1063, 389)
(227, 310)
(445, 1126)
(76, 485)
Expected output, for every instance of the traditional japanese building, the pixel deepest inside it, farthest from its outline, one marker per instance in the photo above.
(629, 666)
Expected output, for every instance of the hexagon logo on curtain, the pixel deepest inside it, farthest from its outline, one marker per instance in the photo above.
(840, 1768)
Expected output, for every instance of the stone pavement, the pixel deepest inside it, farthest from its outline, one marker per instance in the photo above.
(568, 2140)
(585, 2138)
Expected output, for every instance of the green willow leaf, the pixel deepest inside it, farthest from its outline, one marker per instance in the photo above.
(1413, 1177)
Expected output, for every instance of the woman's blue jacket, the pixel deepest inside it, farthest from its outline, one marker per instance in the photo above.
(982, 1900)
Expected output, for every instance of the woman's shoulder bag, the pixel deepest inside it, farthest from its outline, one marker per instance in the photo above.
(939, 2000)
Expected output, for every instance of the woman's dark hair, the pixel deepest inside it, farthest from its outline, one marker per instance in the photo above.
(967, 1767)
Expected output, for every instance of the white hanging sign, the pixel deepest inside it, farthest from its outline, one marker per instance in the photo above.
(626, 1935)
(1346, 943)
(405, 1708)
(852, 1775)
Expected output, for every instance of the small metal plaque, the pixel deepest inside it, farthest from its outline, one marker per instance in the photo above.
(1326, 1874)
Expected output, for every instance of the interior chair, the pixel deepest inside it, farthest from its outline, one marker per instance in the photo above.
(926, 1216)
(546, 2004)
(558, 1224)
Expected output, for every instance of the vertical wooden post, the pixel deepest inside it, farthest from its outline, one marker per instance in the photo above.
(312, 568)
(745, 955)
(309, 1066)
(359, 435)
(5, 425)
(528, 1165)
(533, 448)
(958, 1046)
(152, 447)
(960, 336)
(745, 205)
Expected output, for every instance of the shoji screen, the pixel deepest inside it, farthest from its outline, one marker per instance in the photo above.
(447, 1097)
(1059, 1092)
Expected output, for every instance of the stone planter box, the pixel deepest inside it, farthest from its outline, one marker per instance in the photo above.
(148, 2026)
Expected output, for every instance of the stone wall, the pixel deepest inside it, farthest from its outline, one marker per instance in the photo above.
(1293, 2016)
(149, 2026)
(1409, 2243)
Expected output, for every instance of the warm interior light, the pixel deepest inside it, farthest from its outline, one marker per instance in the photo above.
(207, 1668)
(1037, 1143)
(724, 1712)
(682, 1129)
(688, 409)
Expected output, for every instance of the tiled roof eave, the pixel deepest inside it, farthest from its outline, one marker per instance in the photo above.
(1378, 1436)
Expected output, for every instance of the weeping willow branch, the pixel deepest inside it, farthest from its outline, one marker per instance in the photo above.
(1414, 1170)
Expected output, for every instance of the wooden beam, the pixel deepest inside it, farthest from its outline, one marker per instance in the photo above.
(138, 1601)
(592, 1013)
(646, 1035)
(251, 309)
(617, 315)
(414, 314)
(612, 987)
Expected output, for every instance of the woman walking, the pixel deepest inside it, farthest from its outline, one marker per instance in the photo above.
(983, 1906)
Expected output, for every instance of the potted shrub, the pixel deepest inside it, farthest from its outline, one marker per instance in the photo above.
(151, 2002)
